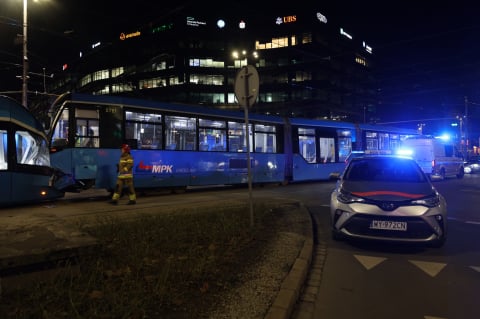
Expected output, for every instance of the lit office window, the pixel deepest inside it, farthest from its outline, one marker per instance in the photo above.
(85, 80)
(117, 71)
(100, 75)
(306, 38)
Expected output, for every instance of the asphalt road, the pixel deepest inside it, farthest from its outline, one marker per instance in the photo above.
(378, 281)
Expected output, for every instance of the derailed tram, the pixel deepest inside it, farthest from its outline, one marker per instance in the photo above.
(25, 172)
(178, 146)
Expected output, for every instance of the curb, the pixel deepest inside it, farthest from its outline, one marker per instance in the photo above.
(284, 303)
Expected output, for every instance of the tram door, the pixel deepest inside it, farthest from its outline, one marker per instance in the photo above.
(5, 175)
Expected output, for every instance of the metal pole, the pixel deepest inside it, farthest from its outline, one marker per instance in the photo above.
(465, 127)
(25, 57)
(247, 132)
(44, 82)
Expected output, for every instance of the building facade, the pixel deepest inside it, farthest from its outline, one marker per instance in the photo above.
(308, 66)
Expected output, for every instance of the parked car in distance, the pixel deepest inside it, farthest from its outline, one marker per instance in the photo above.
(472, 165)
(438, 158)
(387, 198)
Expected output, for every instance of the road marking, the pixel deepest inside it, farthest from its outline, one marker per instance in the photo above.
(433, 317)
(476, 268)
(368, 261)
(430, 268)
(471, 222)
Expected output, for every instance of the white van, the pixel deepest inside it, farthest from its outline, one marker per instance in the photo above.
(436, 157)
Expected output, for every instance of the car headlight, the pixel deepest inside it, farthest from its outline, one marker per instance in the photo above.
(430, 201)
(347, 198)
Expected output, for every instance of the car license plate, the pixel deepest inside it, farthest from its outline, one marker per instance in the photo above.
(389, 225)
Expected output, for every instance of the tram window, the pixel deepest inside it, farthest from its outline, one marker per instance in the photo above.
(307, 144)
(327, 149)
(60, 132)
(372, 144)
(236, 137)
(145, 128)
(87, 128)
(3, 150)
(345, 148)
(384, 141)
(31, 149)
(180, 133)
(87, 133)
(371, 139)
(265, 139)
(212, 135)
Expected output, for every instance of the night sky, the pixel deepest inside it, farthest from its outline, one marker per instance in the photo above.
(427, 52)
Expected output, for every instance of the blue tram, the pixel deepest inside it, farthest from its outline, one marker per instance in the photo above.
(25, 172)
(178, 145)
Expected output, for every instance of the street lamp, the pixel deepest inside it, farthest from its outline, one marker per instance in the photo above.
(242, 58)
(25, 57)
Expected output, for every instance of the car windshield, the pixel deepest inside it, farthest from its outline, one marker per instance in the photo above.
(389, 169)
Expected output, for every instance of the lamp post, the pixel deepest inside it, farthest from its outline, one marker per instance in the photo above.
(25, 57)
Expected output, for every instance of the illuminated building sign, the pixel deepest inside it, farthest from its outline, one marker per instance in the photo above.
(192, 22)
(124, 36)
(242, 24)
(95, 45)
(342, 32)
(367, 47)
(286, 19)
(221, 24)
(163, 27)
(321, 17)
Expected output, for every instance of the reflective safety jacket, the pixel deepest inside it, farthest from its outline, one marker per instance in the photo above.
(125, 166)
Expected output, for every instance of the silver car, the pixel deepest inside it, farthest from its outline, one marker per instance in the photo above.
(387, 198)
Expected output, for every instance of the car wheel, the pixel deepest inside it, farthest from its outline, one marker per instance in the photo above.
(442, 174)
(336, 235)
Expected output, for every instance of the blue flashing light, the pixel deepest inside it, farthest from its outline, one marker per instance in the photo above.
(404, 152)
(444, 137)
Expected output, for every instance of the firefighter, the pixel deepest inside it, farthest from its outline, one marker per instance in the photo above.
(125, 177)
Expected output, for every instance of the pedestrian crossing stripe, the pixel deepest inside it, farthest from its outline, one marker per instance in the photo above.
(430, 268)
(477, 269)
(369, 261)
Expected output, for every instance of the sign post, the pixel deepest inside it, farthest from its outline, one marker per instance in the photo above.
(246, 91)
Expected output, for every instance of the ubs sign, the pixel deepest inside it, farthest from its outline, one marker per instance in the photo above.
(286, 19)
